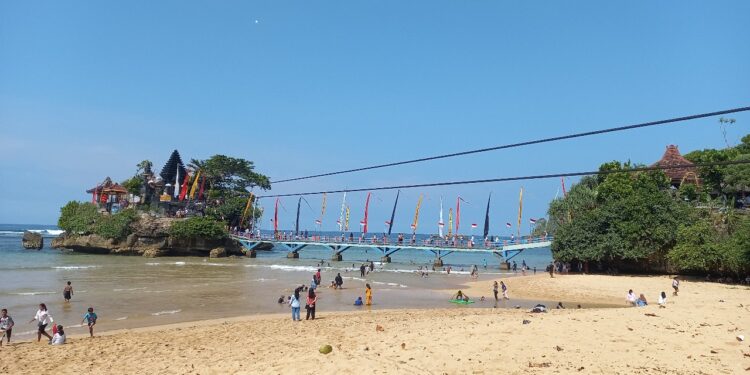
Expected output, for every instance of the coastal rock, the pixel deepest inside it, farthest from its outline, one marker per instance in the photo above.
(218, 252)
(150, 238)
(32, 241)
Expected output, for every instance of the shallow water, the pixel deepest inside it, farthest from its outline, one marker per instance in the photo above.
(129, 292)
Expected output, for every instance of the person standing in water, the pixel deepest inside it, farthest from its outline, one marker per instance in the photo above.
(68, 292)
(312, 300)
(339, 281)
(368, 295)
(362, 270)
(42, 318)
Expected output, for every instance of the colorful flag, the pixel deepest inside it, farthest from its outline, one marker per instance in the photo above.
(415, 224)
(346, 223)
(441, 224)
(532, 221)
(450, 222)
(474, 226)
(367, 207)
(509, 225)
(184, 188)
(520, 211)
(276, 217)
(247, 206)
(318, 222)
(195, 184)
(341, 215)
(323, 209)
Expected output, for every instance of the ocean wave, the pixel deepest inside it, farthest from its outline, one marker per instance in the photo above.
(122, 318)
(43, 232)
(167, 312)
(32, 293)
(282, 267)
(153, 263)
(158, 291)
(128, 289)
(74, 267)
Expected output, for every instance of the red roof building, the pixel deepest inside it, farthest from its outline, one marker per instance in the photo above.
(678, 176)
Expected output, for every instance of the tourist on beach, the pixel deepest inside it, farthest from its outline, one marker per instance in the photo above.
(42, 318)
(68, 292)
(318, 277)
(339, 281)
(641, 301)
(368, 295)
(362, 269)
(504, 289)
(675, 286)
(6, 326)
(663, 300)
(314, 283)
(90, 319)
(551, 270)
(59, 337)
(294, 303)
(630, 298)
(534, 270)
(560, 306)
(280, 300)
(358, 301)
(495, 289)
(372, 266)
(312, 299)
(515, 267)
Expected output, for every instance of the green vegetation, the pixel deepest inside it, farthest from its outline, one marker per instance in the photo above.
(638, 221)
(202, 227)
(84, 218)
(77, 217)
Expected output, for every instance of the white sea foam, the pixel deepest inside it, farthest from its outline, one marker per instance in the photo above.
(128, 289)
(122, 318)
(158, 291)
(167, 312)
(74, 267)
(32, 293)
(281, 267)
(179, 263)
(153, 264)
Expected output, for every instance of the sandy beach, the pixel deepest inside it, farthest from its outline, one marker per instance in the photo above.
(695, 334)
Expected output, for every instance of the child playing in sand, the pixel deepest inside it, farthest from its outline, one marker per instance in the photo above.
(641, 302)
(630, 298)
(663, 300)
(90, 319)
(358, 301)
(59, 337)
(675, 286)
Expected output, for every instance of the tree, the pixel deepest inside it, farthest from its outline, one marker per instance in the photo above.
(712, 177)
(78, 218)
(133, 184)
(737, 177)
(144, 167)
(232, 175)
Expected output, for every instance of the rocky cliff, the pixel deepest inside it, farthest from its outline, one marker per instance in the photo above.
(32, 241)
(150, 237)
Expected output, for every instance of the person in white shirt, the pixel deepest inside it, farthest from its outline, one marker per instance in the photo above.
(631, 297)
(59, 337)
(663, 300)
(6, 326)
(42, 318)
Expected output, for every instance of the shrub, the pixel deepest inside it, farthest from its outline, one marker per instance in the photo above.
(78, 218)
(202, 227)
(116, 226)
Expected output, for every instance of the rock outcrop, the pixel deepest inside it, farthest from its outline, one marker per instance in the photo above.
(32, 241)
(150, 238)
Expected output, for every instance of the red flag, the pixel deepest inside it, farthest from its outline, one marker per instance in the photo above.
(276, 217)
(562, 181)
(367, 206)
(184, 188)
(200, 192)
(474, 225)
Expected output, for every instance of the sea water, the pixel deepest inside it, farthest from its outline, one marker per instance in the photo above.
(134, 291)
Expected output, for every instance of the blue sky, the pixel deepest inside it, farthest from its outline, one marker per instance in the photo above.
(88, 90)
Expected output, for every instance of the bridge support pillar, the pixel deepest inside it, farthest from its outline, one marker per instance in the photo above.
(251, 253)
(504, 266)
(337, 257)
(385, 259)
(292, 255)
(438, 262)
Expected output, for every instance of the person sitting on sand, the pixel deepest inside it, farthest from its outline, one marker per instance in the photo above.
(358, 301)
(630, 298)
(662, 300)
(560, 306)
(641, 301)
(59, 337)
(333, 285)
(459, 295)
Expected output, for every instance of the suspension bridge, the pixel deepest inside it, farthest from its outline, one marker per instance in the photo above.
(506, 249)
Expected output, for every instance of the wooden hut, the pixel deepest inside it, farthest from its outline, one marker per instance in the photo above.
(681, 175)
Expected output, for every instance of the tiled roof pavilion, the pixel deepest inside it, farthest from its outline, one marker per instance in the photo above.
(673, 157)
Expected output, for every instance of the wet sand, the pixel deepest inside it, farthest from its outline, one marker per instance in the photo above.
(695, 334)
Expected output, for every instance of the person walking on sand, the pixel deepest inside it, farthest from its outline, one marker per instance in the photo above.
(6, 326)
(294, 303)
(675, 286)
(90, 319)
(505, 290)
(42, 318)
(368, 295)
(68, 292)
(312, 300)
(494, 289)
(551, 270)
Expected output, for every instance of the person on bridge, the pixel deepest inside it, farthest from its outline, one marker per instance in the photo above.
(368, 295)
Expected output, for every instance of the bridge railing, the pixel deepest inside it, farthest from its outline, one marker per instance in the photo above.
(458, 243)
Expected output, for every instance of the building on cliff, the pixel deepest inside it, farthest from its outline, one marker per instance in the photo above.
(687, 173)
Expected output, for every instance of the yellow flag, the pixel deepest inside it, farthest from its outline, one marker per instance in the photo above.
(247, 207)
(416, 214)
(195, 184)
(346, 224)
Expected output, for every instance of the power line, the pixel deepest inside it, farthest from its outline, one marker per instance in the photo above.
(519, 178)
(520, 144)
